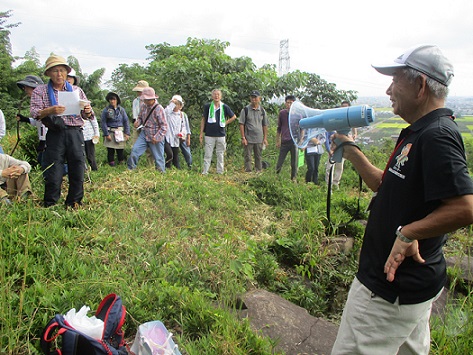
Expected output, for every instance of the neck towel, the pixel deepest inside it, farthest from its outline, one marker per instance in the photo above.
(52, 98)
(212, 114)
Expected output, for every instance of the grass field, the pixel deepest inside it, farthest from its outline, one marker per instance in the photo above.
(181, 248)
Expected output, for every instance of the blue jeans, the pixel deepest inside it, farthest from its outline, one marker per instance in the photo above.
(139, 148)
(186, 151)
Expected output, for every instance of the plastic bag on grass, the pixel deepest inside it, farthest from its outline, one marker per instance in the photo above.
(91, 326)
(153, 338)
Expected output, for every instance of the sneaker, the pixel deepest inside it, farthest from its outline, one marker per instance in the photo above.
(112, 163)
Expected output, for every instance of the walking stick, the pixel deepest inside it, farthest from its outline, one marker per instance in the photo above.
(18, 138)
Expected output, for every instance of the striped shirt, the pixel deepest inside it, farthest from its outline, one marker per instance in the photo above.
(40, 101)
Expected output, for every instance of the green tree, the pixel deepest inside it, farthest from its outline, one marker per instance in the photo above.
(124, 79)
(193, 70)
(7, 103)
(312, 90)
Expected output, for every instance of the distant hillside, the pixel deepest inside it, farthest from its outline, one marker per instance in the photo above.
(461, 105)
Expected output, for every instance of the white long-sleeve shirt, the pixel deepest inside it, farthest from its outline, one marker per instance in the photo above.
(176, 125)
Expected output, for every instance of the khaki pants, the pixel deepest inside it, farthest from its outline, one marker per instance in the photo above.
(220, 145)
(16, 187)
(372, 325)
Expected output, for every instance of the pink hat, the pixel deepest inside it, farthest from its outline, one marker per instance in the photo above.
(148, 94)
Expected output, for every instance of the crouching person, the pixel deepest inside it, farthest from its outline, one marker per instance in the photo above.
(14, 173)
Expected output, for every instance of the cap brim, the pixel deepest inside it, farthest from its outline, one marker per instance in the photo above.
(388, 69)
(22, 84)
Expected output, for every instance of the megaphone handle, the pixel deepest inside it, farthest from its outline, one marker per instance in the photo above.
(337, 155)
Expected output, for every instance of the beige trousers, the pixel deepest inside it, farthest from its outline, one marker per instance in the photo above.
(16, 187)
(372, 325)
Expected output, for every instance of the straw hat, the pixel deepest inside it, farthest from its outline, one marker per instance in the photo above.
(141, 85)
(55, 60)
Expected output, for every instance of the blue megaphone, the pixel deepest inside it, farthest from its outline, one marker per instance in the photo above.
(305, 122)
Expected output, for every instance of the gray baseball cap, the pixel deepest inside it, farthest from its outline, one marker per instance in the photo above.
(427, 59)
(31, 81)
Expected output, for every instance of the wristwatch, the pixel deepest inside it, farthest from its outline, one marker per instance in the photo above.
(402, 236)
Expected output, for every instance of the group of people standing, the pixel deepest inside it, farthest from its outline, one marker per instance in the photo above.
(162, 132)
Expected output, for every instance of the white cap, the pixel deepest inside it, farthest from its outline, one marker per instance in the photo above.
(178, 98)
(427, 59)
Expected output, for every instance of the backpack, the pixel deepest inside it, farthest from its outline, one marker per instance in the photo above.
(74, 342)
(263, 112)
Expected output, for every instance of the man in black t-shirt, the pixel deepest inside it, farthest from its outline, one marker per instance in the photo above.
(424, 192)
(212, 131)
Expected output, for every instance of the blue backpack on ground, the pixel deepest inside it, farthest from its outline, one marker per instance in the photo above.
(70, 341)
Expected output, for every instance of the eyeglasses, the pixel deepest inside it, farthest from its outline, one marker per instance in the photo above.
(56, 71)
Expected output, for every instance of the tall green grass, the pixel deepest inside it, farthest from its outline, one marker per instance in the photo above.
(182, 248)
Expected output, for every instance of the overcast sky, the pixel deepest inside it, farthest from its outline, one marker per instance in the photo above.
(338, 40)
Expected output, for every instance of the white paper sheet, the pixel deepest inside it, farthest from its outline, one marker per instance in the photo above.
(70, 100)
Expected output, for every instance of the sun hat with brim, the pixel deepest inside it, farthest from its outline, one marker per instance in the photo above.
(113, 95)
(74, 76)
(148, 94)
(427, 59)
(141, 85)
(54, 61)
(30, 81)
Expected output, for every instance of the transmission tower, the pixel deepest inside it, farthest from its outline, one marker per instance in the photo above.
(284, 60)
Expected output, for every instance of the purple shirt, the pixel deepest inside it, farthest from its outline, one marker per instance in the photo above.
(283, 126)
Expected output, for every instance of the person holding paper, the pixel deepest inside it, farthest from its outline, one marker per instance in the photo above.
(64, 140)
